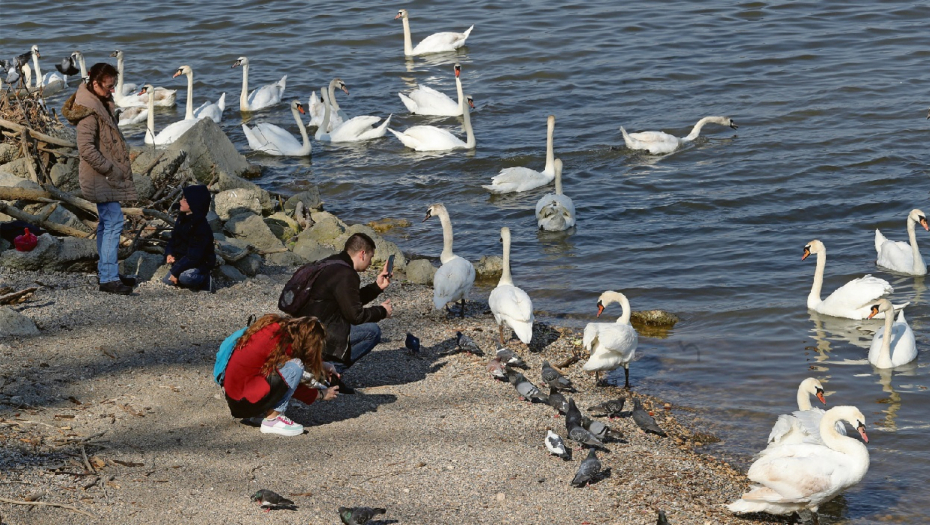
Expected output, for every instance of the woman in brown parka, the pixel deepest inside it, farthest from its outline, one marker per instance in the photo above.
(105, 171)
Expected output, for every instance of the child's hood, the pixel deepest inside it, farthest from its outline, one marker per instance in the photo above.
(198, 198)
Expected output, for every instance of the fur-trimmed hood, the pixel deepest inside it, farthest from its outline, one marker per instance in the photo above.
(84, 103)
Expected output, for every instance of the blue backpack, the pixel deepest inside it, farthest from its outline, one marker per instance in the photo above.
(225, 352)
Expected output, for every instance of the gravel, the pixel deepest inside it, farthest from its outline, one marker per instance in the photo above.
(113, 411)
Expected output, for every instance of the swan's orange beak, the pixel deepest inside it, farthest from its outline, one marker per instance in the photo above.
(176, 73)
(399, 15)
(144, 91)
(923, 222)
(807, 252)
(600, 309)
(345, 89)
(300, 107)
(458, 71)
(874, 312)
(820, 397)
(861, 429)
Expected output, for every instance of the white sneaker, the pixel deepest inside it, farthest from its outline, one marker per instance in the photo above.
(281, 425)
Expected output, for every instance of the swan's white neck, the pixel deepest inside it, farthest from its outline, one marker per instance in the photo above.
(912, 237)
(804, 398)
(39, 79)
(558, 182)
(321, 130)
(884, 353)
(617, 297)
(841, 443)
(189, 113)
(84, 68)
(150, 122)
(408, 42)
(332, 97)
(305, 148)
(461, 93)
(446, 254)
(550, 153)
(696, 130)
(244, 96)
(506, 277)
(119, 69)
(469, 133)
(814, 298)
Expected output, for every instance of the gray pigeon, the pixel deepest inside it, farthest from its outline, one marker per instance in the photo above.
(610, 408)
(555, 445)
(600, 430)
(554, 378)
(662, 520)
(572, 415)
(271, 500)
(358, 515)
(468, 344)
(581, 435)
(587, 471)
(527, 390)
(510, 358)
(496, 369)
(644, 420)
(557, 401)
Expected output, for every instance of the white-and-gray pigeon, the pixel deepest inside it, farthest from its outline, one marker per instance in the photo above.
(525, 388)
(610, 408)
(556, 446)
(468, 344)
(554, 378)
(358, 515)
(271, 500)
(600, 430)
(581, 435)
(510, 358)
(587, 470)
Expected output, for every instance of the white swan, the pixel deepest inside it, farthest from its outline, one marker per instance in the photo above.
(792, 478)
(172, 132)
(510, 304)
(275, 140)
(522, 179)
(902, 338)
(900, 256)
(802, 425)
(317, 109)
(123, 94)
(431, 138)
(425, 100)
(133, 115)
(454, 279)
(611, 345)
(356, 129)
(853, 299)
(211, 110)
(79, 59)
(555, 211)
(50, 83)
(435, 43)
(263, 97)
(657, 142)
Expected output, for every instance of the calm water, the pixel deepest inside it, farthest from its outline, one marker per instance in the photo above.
(831, 103)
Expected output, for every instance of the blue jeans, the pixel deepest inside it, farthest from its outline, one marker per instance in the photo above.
(291, 371)
(362, 340)
(193, 278)
(108, 229)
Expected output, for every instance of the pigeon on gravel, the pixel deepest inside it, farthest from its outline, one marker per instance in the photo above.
(468, 344)
(644, 420)
(557, 401)
(587, 470)
(510, 358)
(555, 379)
(581, 435)
(271, 500)
(600, 430)
(412, 343)
(526, 389)
(496, 369)
(572, 415)
(610, 408)
(556, 446)
(358, 515)
(662, 520)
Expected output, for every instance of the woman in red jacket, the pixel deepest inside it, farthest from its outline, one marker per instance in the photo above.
(266, 368)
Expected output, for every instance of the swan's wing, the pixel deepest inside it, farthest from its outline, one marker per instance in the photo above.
(879, 241)
(428, 101)
(511, 302)
(453, 281)
(784, 425)
(173, 132)
(590, 336)
(376, 132)
(895, 255)
(350, 130)
(555, 212)
(409, 103)
(858, 293)
(438, 42)
(268, 95)
(428, 138)
(273, 139)
(518, 179)
(797, 472)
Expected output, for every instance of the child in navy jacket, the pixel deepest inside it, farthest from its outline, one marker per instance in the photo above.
(190, 250)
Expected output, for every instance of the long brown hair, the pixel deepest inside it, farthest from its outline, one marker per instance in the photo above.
(303, 336)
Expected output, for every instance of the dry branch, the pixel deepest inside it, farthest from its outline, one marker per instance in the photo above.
(41, 136)
(47, 504)
(18, 297)
(50, 226)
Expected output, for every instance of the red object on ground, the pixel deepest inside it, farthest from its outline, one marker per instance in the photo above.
(25, 242)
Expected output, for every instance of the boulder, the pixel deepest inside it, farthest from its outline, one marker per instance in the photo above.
(72, 250)
(8, 152)
(231, 250)
(167, 164)
(145, 188)
(141, 264)
(64, 175)
(231, 273)
(420, 271)
(282, 226)
(311, 250)
(13, 323)
(233, 202)
(326, 229)
(388, 224)
(11, 180)
(310, 197)
(253, 230)
(250, 264)
(16, 167)
(489, 268)
(285, 259)
(51, 253)
(63, 216)
(4, 245)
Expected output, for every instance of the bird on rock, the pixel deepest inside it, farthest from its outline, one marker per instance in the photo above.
(556, 446)
(644, 420)
(510, 358)
(358, 515)
(468, 344)
(588, 470)
(662, 520)
(271, 500)
(610, 408)
(600, 430)
(557, 401)
(555, 379)
(412, 343)
(525, 388)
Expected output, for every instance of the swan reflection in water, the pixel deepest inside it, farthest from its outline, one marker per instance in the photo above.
(893, 401)
(828, 328)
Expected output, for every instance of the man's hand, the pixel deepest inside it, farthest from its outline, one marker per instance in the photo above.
(387, 306)
(170, 259)
(384, 278)
(173, 279)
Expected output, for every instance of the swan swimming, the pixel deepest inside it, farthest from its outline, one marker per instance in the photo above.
(899, 256)
(902, 338)
(435, 43)
(658, 142)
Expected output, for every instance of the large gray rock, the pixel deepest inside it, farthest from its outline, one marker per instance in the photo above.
(231, 273)
(326, 229)
(383, 248)
(72, 250)
(63, 216)
(51, 253)
(489, 268)
(310, 197)
(282, 226)
(231, 250)
(8, 152)
(14, 323)
(420, 271)
(250, 265)
(4, 245)
(141, 264)
(11, 180)
(16, 167)
(285, 259)
(311, 250)
(252, 229)
(64, 175)
(167, 164)
(145, 188)
(233, 202)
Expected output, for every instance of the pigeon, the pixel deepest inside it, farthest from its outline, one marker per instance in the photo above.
(611, 408)
(556, 446)
(358, 515)
(600, 430)
(527, 390)
(662, 520)
(557, 401)
(581, 435)
(510, 358)
(412, 343)
(496, 368)
(572, 415)
(67, 66)
(587, 471)
(644, 420)
(270, 500)
(468, 344)
(554, 378)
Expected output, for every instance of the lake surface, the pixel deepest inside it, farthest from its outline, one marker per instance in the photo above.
(830, 100)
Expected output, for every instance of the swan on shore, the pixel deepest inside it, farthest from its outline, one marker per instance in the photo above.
(519, 178)
(510, 304)
(611, 345)
(899, 256)
(435, 43)
(881, 353)
(658, 142)
(454, 279)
